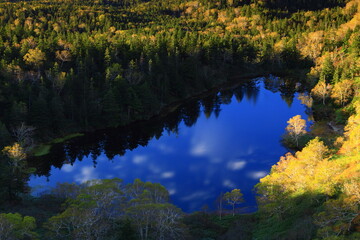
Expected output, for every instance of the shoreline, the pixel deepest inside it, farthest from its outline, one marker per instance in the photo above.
(233, 80)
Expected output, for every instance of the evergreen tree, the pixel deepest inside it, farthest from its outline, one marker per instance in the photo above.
(5, 136)
(327, 69)
(111, 109)
(40, 114)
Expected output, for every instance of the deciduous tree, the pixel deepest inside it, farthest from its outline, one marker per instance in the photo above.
(296, 127)
(233, 198)
(342, 91)
(13, 226)
(321, 90)
(35, 57)
(63, 56)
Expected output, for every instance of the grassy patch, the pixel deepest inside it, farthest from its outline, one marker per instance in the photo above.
(41, 150)
(44, 149)
(67, 137)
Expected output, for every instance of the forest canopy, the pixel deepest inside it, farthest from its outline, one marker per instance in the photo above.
(76, 66)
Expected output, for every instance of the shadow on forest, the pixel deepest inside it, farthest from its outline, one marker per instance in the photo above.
(302, 5)
(116, 141)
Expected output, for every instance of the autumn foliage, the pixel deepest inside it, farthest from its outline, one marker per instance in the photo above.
(328, 182)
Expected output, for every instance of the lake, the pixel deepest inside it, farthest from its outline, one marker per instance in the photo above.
(209, 145)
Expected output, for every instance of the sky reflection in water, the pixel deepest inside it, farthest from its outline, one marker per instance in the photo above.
(217, 154)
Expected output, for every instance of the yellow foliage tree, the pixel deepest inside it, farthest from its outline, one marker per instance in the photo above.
(15, 152)
(321, 90)
(16, 155)
(35, 57)
(296, 127)
(306, 100)
(311, 44)
(314, 152)
(342, 91)
(297, 174)
(352, 143)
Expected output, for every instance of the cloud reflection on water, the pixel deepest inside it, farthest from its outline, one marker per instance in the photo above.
(167, 174)
(236, 165)
(86, 173)
(68, 168)
(139, 159)
(197, 164)
(257, 174)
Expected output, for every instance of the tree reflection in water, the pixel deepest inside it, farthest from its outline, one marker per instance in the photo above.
(199, 165)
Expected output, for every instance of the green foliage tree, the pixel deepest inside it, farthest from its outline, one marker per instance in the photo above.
(327, 70)
(111, 109)
(18, 113)
(5, 136)
(156, 220)
(40, 114)
(13, 226)
(233, 198)
(90, 212)
(99, 208)
(58, 120)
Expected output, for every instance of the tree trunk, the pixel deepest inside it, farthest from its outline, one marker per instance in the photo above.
(220, 210)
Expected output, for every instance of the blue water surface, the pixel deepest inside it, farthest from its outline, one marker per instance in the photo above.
(217, 154)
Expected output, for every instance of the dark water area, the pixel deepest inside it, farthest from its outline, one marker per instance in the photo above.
(225, 140)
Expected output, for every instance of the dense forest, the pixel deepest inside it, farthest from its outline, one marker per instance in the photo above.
(76, 66)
